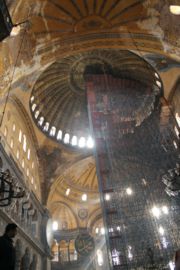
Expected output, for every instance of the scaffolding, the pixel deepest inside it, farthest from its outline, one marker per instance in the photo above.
(135, 146)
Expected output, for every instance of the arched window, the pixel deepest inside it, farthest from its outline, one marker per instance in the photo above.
(176, 131)
(157, 76)
(29, 154)
(55, 226)
(158, 83)
(27, 172)
(175, 144)
(66, 138)
(22, 164)
(20, 135)
(46, 127)
(34, 107)
(99, 257)
(52, 131)
(177, 119)
(24, 142)
(12, 143)
(5, 131)
(17, 154)
(90, 142)
(32, 180)
(32, 165)
(59, 135)
(68, 191)
(41, 120)
(36, 114)
(14, 127)
(32, 98)
(115, 257)
(84, 197)
(82, 142)
(74, 140)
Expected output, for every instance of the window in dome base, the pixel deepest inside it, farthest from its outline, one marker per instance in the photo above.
(52, 131)
(74, 140)
(59, 135)
(82, 142)
(46, 127)
(66, 138)
(41, 120)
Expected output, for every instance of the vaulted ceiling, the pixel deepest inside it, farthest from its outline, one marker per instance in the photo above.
(58, 39)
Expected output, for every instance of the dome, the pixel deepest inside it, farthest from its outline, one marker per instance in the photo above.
(58, 101)
(79, 179)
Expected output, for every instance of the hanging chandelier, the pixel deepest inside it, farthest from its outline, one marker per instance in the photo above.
(172, 181)
(9, 189)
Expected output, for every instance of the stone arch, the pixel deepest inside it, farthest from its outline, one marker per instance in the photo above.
(63, 249)
(19, 107)
(94, 216)
(18, 250)
(25, 260)
(55, 251)
(72, 250)
(35, 216)
(33, 264)
(70, 215)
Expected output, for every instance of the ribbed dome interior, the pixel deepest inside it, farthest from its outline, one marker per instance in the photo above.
(58, 101)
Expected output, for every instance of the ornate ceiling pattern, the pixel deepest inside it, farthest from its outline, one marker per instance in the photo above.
(79, 178)
(78, 25)
(58, 100)
(77, 16)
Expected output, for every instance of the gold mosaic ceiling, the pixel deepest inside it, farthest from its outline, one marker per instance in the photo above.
(80, 178)
(80, 24)
(73, 16)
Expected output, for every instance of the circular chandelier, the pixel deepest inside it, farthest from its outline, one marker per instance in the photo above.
(172, 181)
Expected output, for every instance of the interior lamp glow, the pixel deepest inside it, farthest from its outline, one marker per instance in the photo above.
(165, 210)
(129, 191)
(174, 9)
(155, 211)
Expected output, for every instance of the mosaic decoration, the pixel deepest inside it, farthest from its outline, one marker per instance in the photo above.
(83, 213)
(84, 244)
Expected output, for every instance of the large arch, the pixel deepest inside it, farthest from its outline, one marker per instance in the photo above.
(68, 214)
